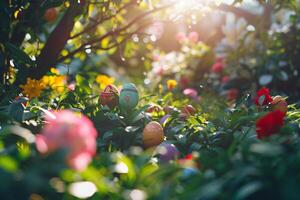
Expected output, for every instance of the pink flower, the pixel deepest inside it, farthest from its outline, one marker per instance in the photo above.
(193, 37)
(71, 86)
(180, 37)
(156, 57)
(225, 79)
(67, 130)
(159, 70)
(217, 67)
(190, 92)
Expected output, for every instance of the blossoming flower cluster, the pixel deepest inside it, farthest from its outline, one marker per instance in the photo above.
(32, 88)
(55, 81)
(272, 122)
(193, 37)
(66, 130)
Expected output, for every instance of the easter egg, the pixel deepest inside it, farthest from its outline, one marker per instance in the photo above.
(129, 97)
(50, 14)
(167, 152)
(169, 109)
(109, 96)
(188, 172)
(188, 110)
(153, 108)
(279, 103)
(153, 134)
(22, 100)
(164, 118)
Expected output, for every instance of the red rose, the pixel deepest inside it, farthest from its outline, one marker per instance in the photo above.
(263, 97)
(269, 124)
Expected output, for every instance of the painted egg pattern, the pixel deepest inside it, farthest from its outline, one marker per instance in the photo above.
(153, 134)
(109, 96)
(129, 97)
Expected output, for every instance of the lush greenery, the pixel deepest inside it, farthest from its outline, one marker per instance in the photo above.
(225, 106)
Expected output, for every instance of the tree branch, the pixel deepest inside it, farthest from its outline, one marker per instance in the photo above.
(112, 32)
(96, 23)
(55, 43)
(128, 35)
(251, 18)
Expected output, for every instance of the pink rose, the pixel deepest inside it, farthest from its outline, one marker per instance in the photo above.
(193, 37)
(180, 37)
(190, 92)
(67, 130)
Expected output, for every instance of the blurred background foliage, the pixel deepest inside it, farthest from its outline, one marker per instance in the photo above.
(61, 54)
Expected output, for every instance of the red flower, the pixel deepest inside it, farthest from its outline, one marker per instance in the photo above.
(217, 67)
(263, 97)
(232, 94)
(269, 124)
(225, 79)
(189, 157)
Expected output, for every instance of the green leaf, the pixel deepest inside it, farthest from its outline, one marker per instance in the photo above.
(18, 55)
(247, 190)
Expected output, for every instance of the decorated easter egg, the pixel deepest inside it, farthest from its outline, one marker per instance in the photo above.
(167, 152)
(189, 110)
(188, 172)
(109, 96)
(153, 134)
(169, 109)
(153, 108)
(279, 103)
(129, 97)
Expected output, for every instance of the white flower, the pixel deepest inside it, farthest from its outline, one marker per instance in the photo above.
(234, 30)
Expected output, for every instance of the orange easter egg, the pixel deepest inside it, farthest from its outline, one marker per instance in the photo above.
(153, 134)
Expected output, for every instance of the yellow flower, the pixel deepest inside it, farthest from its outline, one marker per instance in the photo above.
(171, 84)
(54, 71)
(56, 81)
(104, 80)
(32, 88)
